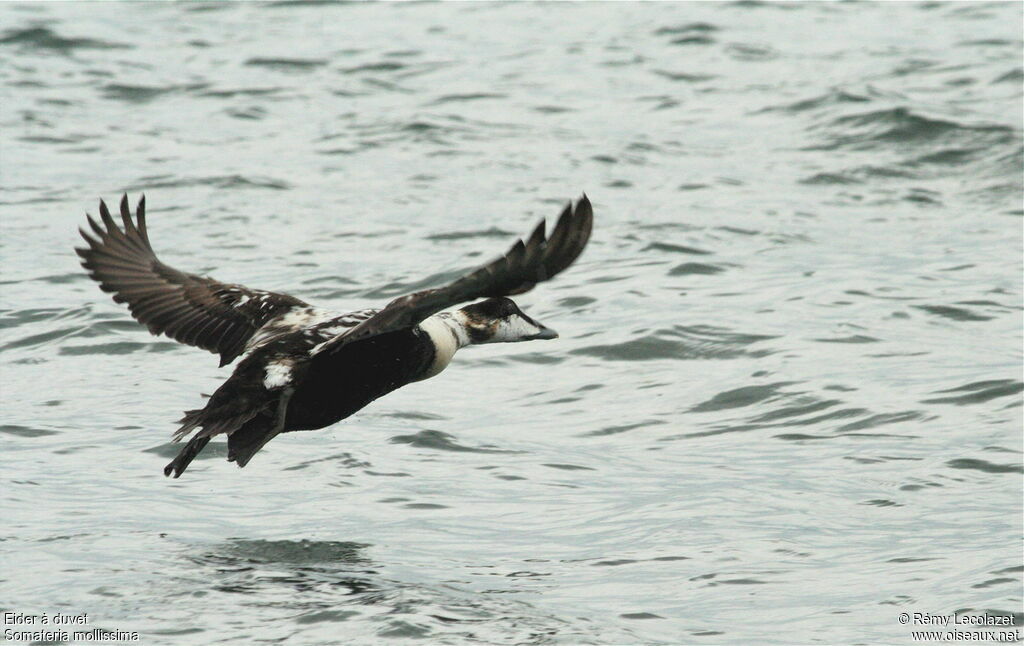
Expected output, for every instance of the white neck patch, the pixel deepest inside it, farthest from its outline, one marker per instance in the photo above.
(448, 335)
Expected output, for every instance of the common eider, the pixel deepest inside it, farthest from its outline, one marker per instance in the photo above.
(303, 367)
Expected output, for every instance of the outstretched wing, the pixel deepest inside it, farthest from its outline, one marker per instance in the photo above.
(527, 263)
(192, 309)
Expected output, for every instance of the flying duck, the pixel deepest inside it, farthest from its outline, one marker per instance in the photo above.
(304, 367)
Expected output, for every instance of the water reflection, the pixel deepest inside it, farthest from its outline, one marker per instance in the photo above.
(251, 566)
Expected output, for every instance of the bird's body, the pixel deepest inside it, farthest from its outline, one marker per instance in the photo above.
(302, 367)
(315, 391)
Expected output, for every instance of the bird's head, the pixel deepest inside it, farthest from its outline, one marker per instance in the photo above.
(499, 320)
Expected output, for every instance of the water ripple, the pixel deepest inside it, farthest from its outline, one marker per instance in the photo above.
(46, 39)
(978, 392)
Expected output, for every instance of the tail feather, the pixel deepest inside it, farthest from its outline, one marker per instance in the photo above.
(209, 426)
(191, 420)
(246, 421)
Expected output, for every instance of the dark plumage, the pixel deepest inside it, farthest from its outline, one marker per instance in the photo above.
(194, 310)
(305, 368)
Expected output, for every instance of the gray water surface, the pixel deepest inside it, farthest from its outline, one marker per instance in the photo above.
(786, 403)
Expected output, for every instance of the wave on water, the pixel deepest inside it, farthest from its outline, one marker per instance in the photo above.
(681, 342)
(901, 127)
(917, 148)
(442, 441)
(43, 38)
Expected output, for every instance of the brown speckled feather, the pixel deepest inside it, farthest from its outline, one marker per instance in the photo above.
(195, 310)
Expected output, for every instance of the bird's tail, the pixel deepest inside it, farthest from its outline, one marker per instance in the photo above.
(248, 427)
(243, 443)
(210, 422)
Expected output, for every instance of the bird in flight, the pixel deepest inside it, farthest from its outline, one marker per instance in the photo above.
(304, 367)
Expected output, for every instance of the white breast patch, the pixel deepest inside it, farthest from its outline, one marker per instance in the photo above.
(445, 344)
(279, 374)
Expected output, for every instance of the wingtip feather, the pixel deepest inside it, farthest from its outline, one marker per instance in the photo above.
(96, 228)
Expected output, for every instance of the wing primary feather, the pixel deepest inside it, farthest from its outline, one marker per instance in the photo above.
(573, 234)
(535, 243)
(558, 241)
(97, 229)
(140, 218)
(108, 221)
(126, 220)
(514, 257)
